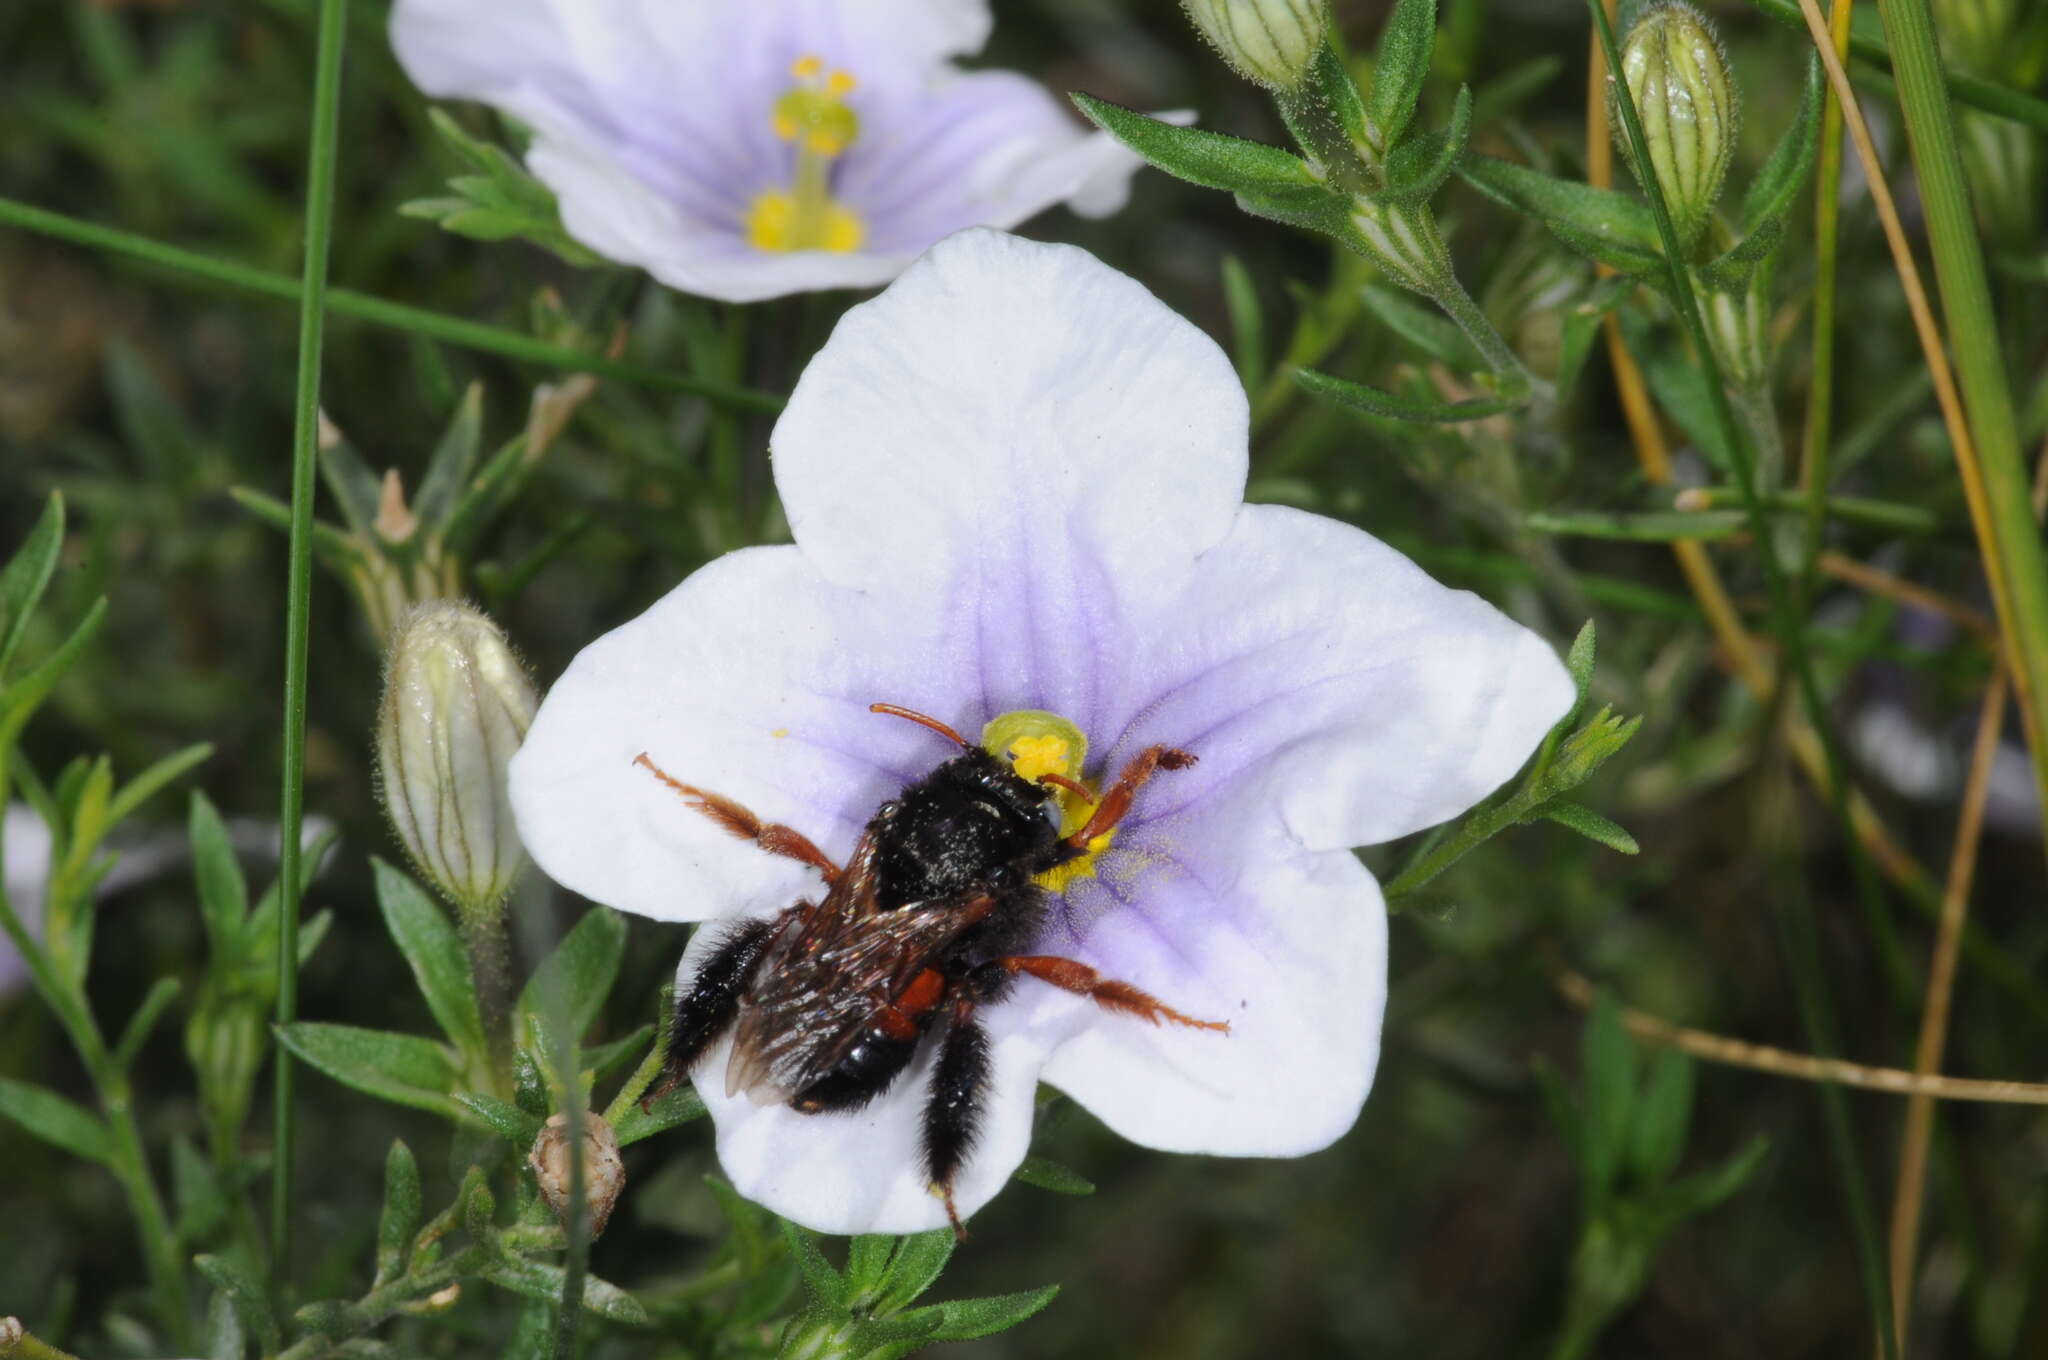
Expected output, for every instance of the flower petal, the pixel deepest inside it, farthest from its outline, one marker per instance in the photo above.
(863, 1172)
(1010, 402)
(1288, 946)
(751, 680)
(1317, 672)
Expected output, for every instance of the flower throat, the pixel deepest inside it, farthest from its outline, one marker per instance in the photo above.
(814, 115)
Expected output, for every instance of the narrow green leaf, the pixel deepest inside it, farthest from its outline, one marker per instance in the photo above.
(223, 895)
(453, 460)
(1777, 184)
(19, 701)
(919, 1260)
(1386, 405)
(1662, 1117)
(336, 550)
(1247, 323)
(400, 1218)
(1047, 1174)
(55, 1120)
(540, 1280)
(1400, 66)
(400, 1068)
(825, 1286)
(1210, 159)
(27, 575)
(971, 1318)
(1420, 165)
(1696, 1194)
(1607, 1077)
(502, 1117)
(440, 965)
(578, 976)
(1592, 825)
(1426, 328)
(1609, 226)
(1580, 660)
(355, 488)
(144, 1021)
(679, 1106)
(247, 1296)
(1652, 526)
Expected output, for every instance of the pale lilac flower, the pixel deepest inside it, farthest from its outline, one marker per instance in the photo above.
(1015, 481)
(744, 149)
(25, 851)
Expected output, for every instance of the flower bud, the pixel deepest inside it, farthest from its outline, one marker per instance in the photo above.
(1679, 80)
(1269, 41)
(604, 1175)
(457, 704)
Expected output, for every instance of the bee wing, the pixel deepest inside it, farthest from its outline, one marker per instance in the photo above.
(823, 983)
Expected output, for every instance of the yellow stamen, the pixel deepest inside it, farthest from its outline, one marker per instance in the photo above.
(815, 117)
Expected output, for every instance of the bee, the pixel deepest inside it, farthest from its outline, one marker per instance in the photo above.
(931, 919)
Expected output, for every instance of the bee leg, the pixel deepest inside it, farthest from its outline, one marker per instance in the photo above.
(1117, 801)
(1072, 976)
(707, 1010)
(952, 1110)
(773, 837)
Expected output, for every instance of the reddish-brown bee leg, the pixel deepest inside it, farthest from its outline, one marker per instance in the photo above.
(773, 837)
(1117, 801)
(1108, 993)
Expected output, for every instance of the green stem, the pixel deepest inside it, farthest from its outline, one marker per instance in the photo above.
(298, 597)
(1890, 516)
(1817, 466)
(1459, 306)
(2013, 555)
(386, 1301)
(16, 1344)
(378, 311)
(1815, 1007)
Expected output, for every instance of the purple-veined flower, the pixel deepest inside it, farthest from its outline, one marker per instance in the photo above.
(745, 149)
(1015, 480)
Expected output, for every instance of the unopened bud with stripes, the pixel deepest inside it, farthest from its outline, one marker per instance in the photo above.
(457, 704)
(1678, 77)
(1270, 41)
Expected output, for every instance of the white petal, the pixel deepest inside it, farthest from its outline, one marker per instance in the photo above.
(1288, 947)
(1013, 401)
(862, 1172)
(1316, 671)
(751, 680)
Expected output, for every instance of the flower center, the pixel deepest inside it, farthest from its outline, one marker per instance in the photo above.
(1037, 744)
(814, 115)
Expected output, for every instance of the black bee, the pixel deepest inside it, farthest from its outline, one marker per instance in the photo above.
(928, 921)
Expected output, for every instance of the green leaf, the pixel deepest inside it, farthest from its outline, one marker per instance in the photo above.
(1607, 226)
(1663, 1115)
(335, 549)
(1607, 1077)
(1582, 325)
(1652, 526)
(223, 895)
(1247, 323)
(1047, 1174)
(1592, 825)
(400, 1068)
(499, 200)
(355, 488)
(1776, 185)
(916, 1266)
(679, 1106)
(27, 575)
(1426, 328)
(19, 701)
(825, 1287)
(540, 1280)
(225, 1339)
(502, 1117)
(1210, 159)
(400, 1218)
(1386, 405)
(54, 1119)
(1512, 86)
(1400, 66)
(143, 1022)
(1419, 166)
(1732, 271)
(578, 976)
(432, 947)
(244, 1293)
(972, 1318)
(448, 469)
(1696, 1194)
(1578, 663)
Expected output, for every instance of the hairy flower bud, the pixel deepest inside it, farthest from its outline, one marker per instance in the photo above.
(604, 1175)
(1270, 41)
(457, 704)
(1679, 79)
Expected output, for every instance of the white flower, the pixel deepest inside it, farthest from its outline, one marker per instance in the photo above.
(1015, 482)
(744, 149)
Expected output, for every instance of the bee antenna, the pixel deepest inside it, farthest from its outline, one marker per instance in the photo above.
(921, 719)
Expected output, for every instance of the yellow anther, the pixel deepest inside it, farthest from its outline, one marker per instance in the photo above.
(840, 82)
(814, 115)
(805, 68)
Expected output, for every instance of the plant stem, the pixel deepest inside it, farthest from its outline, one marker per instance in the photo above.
(2010, 542)
(378, 311)
(321, 156)
(1459, 306)
(1816, 466)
